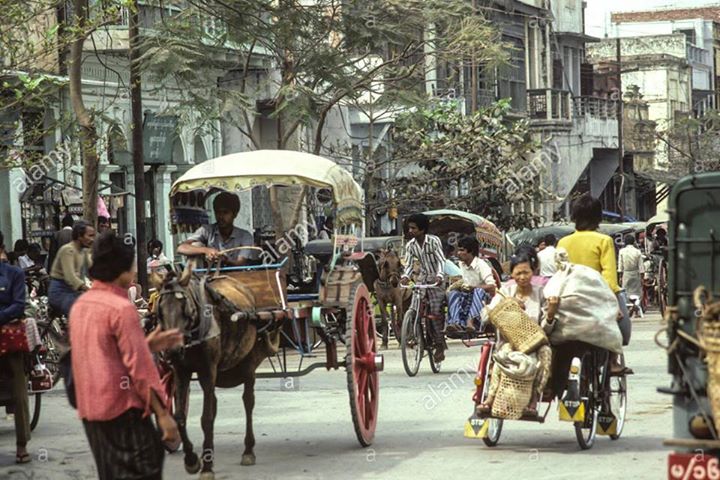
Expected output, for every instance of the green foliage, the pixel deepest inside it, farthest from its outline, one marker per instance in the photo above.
(304, 58)
(480, 163)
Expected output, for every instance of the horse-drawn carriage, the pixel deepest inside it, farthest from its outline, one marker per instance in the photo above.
(256, 312)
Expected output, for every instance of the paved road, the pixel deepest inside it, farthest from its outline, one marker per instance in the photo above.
(307, 433)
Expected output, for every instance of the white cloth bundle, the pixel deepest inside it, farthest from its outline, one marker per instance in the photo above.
(516, 364)
(588, 307)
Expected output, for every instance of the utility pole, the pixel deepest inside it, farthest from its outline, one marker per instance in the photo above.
(473, 73)
(137, 143)
(621, 154)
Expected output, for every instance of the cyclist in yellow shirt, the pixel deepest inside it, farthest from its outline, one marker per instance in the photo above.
(589, 247)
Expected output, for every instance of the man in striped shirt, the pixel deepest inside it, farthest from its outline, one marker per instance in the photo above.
(428, 251)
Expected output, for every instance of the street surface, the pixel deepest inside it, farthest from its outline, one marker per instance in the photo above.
(305, 432)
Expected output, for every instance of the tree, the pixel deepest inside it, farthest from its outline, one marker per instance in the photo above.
(314, 56)
(692, 144)
(34, 40)
(481, 163)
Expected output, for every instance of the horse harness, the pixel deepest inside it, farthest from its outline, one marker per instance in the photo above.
(202, 329)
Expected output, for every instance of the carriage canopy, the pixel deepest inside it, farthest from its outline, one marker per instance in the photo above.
(444, 222)
(243, 171)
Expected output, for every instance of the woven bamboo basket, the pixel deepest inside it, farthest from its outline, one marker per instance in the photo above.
(709, 336)
(513, 395)
(516, 327)
(544, 355)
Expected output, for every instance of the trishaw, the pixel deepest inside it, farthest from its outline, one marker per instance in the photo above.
(693, 336)
(449, 226)
(334, 309)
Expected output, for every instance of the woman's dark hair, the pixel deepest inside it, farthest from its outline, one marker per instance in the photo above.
(102, 220)
(79, 229)
(525, 253)
(154, 243)
(470, 244)
(21, 245)
(586, 213)
(629, 239)
(112, 256)
(419, 219)
(227, 200)
(550, 240)
(34, 248)
(67, 220)
(661, 231)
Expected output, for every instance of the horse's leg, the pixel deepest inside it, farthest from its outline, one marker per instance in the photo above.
(207, 377)
(248, 457)
(384, 322)
(182, 397)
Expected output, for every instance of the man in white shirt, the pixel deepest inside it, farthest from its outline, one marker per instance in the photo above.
(466, 298)
(547, 256)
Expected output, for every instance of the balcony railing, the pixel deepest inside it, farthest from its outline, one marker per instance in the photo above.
(596, 107)
(549, 104)
(697, 54)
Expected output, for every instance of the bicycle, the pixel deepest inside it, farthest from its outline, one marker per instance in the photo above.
(416, 337)
(593, 399)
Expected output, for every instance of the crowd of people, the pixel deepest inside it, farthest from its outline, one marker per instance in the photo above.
(91, 271)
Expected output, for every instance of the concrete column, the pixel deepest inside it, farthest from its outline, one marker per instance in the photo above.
(12, 185)
(163, 182)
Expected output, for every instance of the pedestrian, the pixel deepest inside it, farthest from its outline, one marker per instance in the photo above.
(631, 267)
(117, 384)
(61, 237)
(427, 250)
(103, 224)
(547, 256)
(156, 258)
(209, 240)
(12, 307)
(20, 253)
(68, 275)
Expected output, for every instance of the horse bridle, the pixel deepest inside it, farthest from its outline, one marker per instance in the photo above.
(192, 335)
(389, 278)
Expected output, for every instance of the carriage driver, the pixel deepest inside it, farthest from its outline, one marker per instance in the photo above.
(209, 240)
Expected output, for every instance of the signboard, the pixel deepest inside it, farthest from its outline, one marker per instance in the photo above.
(159, 132)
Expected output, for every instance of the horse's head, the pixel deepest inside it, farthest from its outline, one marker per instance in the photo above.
(389, 266)
(178, 305)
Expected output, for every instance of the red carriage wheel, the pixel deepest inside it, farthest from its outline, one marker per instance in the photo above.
(362, 364)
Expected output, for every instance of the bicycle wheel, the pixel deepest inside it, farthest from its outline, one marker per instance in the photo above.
(586, 431)
(35, 400)
(494, 430)
(50, 336)
(412, 343)
(434, 366)
(617, 387)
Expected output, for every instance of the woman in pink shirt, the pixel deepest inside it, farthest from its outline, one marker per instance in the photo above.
(117, 384)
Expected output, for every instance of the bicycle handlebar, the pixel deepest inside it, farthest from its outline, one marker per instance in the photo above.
(421, 286)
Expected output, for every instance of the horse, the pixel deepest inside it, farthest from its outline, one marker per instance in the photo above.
(388, 292)
(223, 350)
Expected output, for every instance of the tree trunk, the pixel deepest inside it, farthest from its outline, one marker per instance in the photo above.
(88, 133)
(137, 145)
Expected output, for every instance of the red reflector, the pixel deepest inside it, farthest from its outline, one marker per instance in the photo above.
(693, 466)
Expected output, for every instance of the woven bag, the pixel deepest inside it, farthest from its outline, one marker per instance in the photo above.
(516, 327)
(19, 336)
(513, 395)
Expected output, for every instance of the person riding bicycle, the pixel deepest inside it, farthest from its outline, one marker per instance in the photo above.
(466, 297)
(210, 240)
(68, 275)
(588, 247)
(428, 251)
